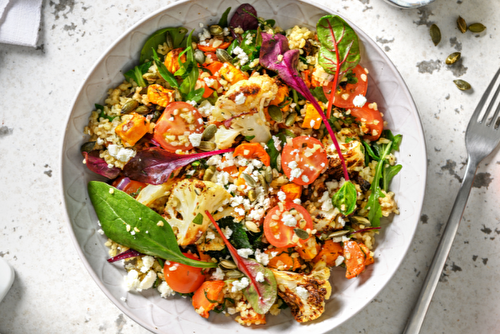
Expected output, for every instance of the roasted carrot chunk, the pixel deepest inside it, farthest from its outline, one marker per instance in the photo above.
(281, 96)
(214, 67)
(369, 255)
(253, 151)
(312, 119)
(309, 250)
(354, 259)
(208, 295)
(172, 60)
(159, 95)
(231, 74)
(329, 253)
(132, 130)
(292, 191)
(282, 259)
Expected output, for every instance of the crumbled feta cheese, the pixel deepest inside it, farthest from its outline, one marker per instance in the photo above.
(205, 34)
(147, 281)
(302, 292)
(259, 277)
(165, 290)
(288, 219)
(111, 165)
(261, 257)
(147, 263)
(214, 160)
(232, 188)
(210, 235)
(240, 211)
(218, 275)
(281, 196)
(121, 153)
(132, 280)
(245, 252)
(226, 31)
(292, 164)
(100, 231)
(277, 143)
(359, 101)
(339, 260)
(305, 178)
(209, 81)
(123, 299)
(240, 98)
(297, 201)
(223, 178)
(195, 139)
(227, 232)
(240, 284)
(205, 108)
(100, 141)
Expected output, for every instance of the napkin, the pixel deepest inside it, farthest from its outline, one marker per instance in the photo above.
(20, 21)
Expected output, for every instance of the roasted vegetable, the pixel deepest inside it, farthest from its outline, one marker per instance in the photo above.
(132, 130)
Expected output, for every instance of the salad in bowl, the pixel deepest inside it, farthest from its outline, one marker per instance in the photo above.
(244, 162)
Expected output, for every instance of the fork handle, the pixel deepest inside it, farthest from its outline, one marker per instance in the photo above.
(417, 316)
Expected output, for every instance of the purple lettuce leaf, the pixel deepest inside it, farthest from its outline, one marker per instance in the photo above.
(125, 255)
(154, 165)
(99, 165)
(272, 47)
(245, 17)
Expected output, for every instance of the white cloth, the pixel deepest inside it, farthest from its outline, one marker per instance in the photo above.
(20, 21)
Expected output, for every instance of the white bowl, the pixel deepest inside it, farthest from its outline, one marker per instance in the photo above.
(176, 315)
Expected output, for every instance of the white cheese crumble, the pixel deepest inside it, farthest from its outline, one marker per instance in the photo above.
(165, 290)
(100, 231)
(227, 232)
(339, 260)
(305, 178)
(218, 275)
(245, 252)
(259, 277)
(147, 281)
(302, 292)
(359, 101)
(288, 219)
(195, 139)
(261, 257)
(205, 34)
(281, 196)
(132, 280)
(147, 263)
(240, 98)
(297, 201)
(240, 285)
(210, 235)
(120, 153)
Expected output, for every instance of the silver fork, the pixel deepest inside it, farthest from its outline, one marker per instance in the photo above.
(481, 138)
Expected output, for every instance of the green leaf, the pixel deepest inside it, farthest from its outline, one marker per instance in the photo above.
(223, 19)
(164, 72)
(116, 210)
(248, 138)
(336, 35)
(268, 288)
(137, 72)
(270, 22)
(373, 204)
(102, 114)
(388, 174)
(159, 37)
(233, 45)
(239, 238)
(198, 220)
(273, 153)
(345, 198)
(195, 95)
(396, 140)
(370, 152)
(319, 94)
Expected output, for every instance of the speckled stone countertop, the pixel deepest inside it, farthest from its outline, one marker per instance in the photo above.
(53, 293)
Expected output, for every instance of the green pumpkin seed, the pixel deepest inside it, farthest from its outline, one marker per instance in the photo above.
(477, 27)
(223, 55)
(462, 25)
(278, 163)
(452, 59)
(249, 180)
(263, 183)
(462, 85)
(216, 30)
(252, 195)
(252, 227)
(234, 274)
(290, 119)
(159, 108)
(301, 233)
(209, 173)
(360, 220)
(177, 95)
(142, 110)
(156, 116)
(268, 172)
(150, 77)
(275, 113)
(338, 233)
(169, 40)
(87, 147)
(207, 146)
(129, 106)
(199, 56)
(435, 33)
(209, 132)
(227, 264)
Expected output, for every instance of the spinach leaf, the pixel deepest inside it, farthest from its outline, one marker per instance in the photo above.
(396, 140)
(195, 95)
(319, 94)
(387, 175)
(159, 37)
(239, 238)
(164, 72)
(233, 45)
(223, 19)
(191, 69)
(137, 72)
(370, 152)
(373, 204)
(345, 198)
(118, 212)
(198, 220)
(273, 152)
(102, 114)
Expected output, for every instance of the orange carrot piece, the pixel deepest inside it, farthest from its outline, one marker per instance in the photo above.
(309, 250)
(292, 191)
(369, 256)
(159, 95)
(354, 259)
(282, 259)
(329, 253)
(208, 295)
(172, 60)
(253, 151)
(132, 130)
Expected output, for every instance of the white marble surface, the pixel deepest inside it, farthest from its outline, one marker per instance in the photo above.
(53, 293)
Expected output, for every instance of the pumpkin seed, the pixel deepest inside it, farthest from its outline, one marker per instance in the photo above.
(207, 146)
(150, 77)
(129, 106)
(252, 227)
(263, 183)
(142, 110)
(360, 220)
(227, 264)
(234, 274)
(451, 59)
(156, 116)
(249, 180)
(169, 40)
(199, 56)
(477, 27)
(275, 113)
(435, 33)
(338, 233)
(301, 233)
(177, 95)
(87, 147)
(209, 173)
(159, 108)
(462, 85)
(278, 162)
(223, 55)
(209, 132)
(268, 173)
(252, 195)
(290, 119)
(461, 24)
(216, 30)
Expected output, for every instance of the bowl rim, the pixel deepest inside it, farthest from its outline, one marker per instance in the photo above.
(74, 240)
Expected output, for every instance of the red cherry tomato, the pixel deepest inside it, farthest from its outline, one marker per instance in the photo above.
(171, 123)
(372, 119)
(183, 278)
(309, 156)
(344, 97)
(278, 233)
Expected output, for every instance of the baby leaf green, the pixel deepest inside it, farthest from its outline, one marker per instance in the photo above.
(345, 198)
(148, 232)
(159, 37)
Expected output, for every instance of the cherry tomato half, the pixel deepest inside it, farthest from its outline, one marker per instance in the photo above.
(183, 278)
(281, 235)
(170, 131)
(372, 120)
(307, 154)
(344, 97)
(252, 151)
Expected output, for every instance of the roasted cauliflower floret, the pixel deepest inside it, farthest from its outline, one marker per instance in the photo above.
(352, 152)
(305, 294)
(254, 126)
(224, 138)
(188, 199)
(246, 96)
